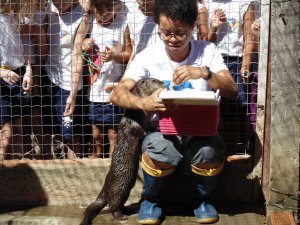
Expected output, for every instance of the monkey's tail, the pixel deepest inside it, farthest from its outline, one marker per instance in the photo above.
(94, 209)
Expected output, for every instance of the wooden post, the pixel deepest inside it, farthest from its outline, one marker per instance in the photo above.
(281, 136)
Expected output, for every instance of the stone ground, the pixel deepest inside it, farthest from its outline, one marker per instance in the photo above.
(230, 214)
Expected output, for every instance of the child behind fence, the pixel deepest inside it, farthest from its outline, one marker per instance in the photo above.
(35, 43)
(67, 27)
(15, 74)
(143, 29)
(106, 50)
(234, 39)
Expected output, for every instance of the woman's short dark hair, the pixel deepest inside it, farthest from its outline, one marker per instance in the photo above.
(179, 11)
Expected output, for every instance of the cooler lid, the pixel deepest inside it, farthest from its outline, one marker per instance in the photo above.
(191, 97)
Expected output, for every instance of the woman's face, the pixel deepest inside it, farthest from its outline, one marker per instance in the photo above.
(176, 36)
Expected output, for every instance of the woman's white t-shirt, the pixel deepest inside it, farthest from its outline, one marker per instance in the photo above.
(154, 62)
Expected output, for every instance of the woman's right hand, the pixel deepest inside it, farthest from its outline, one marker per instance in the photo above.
(154, 103)
(9, 76)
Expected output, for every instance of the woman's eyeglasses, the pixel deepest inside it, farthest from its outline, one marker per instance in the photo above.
(177, 35)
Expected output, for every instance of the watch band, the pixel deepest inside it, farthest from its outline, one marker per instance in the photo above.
(209, 74)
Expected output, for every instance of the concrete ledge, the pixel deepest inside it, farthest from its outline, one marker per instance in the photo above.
(55, 182)
(78, 182)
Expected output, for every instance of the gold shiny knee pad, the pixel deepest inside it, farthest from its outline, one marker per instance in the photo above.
(156, 172)
(207, 172)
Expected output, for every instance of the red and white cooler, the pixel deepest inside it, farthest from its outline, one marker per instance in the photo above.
(197, 113)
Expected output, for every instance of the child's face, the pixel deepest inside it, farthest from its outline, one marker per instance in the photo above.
(63, 6)
(40, 5)
(146, 6)
(105, 15)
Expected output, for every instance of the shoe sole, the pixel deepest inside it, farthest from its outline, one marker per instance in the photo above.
(149, 222)
(208, 220)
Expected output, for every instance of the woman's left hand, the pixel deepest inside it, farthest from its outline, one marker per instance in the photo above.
(185, 73)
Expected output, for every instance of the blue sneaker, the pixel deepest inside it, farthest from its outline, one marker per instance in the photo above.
(150, 213)
(206, 213)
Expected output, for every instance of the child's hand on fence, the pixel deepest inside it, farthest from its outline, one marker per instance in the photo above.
(9, 76)
(87, 44)
(217, 18)
(107, 55)
(70, 105)
(255, 27)
(109, 87)
(27, 80)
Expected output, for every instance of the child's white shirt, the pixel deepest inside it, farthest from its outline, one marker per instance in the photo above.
(11, 47)
(230, 34)
(61, 34)
(38, 20)
(112, 71)
(143, 29)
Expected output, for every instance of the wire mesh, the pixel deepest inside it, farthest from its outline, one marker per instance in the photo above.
(35, 125)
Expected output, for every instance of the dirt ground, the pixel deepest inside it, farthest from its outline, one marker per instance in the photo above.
(230, 214)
